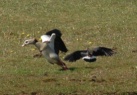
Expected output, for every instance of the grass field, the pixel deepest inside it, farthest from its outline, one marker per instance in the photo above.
(84, 24)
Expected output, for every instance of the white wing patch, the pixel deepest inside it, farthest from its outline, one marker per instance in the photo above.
(89, 58)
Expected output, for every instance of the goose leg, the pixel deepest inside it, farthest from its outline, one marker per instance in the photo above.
(37, 55)
(62, 64)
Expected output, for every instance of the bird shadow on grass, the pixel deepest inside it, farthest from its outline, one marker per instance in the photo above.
(76, 68)
(120, 93)
(69, 69)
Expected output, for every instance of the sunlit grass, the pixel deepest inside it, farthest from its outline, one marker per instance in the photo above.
(84, 24)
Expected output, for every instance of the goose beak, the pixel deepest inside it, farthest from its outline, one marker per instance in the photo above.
(23, 45)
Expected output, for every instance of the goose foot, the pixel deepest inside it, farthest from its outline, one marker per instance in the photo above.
(37, 55)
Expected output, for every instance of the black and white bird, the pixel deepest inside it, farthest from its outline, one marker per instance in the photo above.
(89, 55)
(47, 51)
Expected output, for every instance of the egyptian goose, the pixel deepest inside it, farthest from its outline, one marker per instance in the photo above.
(56, 44)
(47, 51)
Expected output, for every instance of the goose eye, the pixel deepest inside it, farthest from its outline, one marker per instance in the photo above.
(27, 42)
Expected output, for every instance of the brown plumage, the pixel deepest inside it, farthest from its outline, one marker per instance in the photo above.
(47, 52)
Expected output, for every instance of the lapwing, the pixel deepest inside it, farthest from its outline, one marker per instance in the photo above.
(89, 55)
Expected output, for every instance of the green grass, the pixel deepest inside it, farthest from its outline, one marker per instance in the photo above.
(84, 24)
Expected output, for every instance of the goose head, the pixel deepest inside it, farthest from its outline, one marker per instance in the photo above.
(29, 41)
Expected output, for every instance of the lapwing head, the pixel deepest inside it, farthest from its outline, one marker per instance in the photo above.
(89, 52)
